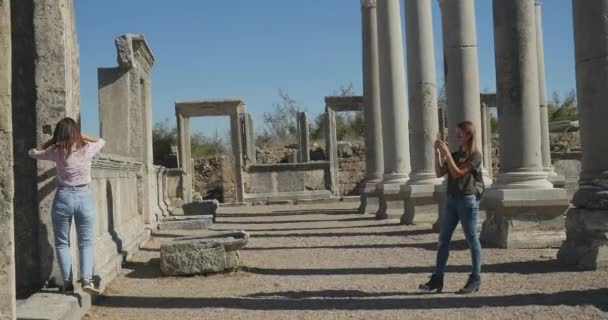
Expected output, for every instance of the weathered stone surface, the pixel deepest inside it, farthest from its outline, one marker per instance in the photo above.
(201, 207)
(204, 253)
(7, 247)
(586, 245)
(186, 223)
(54, 306)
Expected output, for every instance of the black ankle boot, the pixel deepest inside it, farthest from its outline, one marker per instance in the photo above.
(435, 283)
(472, 285)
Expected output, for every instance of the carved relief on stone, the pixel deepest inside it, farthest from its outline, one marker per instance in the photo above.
(367, 4)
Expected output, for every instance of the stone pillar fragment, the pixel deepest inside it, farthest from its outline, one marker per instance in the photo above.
(46, 89)
(184, 156)
(419, 192)
(371, 111)
(522, 208)
(586, 246)
(553, 177)
(331, 145)
(7, 247)
(395, 122)
(237, 146)
(303, 138)
(125, 112)
(249, 139)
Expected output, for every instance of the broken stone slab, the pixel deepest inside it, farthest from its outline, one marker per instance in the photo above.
(200, 222)
(208, 252)
(202, 207)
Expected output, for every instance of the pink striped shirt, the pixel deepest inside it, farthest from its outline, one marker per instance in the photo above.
(76, 169)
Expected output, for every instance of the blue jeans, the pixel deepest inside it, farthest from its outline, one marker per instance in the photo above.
(76, 202)
(463, 209)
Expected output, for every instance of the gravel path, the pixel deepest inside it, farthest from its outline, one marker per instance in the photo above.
(327, 262)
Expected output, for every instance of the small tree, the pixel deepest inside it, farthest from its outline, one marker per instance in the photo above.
(163, 137)
(565, 110)
(281, 124)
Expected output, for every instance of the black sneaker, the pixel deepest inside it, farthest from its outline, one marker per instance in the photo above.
(472, 285)
(435, 283)
(89, 287)
(67, 288)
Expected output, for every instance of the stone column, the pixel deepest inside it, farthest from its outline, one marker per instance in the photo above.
(249, 139)
(331, 147)
(371, 110)
(544, 112)
(586, 245)
(395, 122)
(7, 248)
(522, 207)
(237, 147)
(184, 156)
(461, 67)
(303, 138)
(419, 191)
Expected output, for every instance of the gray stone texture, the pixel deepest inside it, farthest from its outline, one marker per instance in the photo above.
(125, 112)
(419, 193)
(371, 93)
(46, 78)
(395, 119)
(586, 245)
(202, 254)
(542, 91)
(523, 208)
(201, 222)
(303, 138)
(249, 139)
(201, 207)
(7, 244)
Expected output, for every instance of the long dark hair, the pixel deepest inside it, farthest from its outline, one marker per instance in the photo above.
(468, 128)
(67, 136)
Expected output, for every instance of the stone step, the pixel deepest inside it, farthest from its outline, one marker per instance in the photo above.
(64, 307)
(201, 222)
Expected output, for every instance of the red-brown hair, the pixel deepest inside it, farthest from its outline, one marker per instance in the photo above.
(67, 136)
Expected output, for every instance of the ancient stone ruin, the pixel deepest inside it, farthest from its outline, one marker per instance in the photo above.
(527, 204)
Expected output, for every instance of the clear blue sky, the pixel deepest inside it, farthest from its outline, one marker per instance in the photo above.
(250, 49)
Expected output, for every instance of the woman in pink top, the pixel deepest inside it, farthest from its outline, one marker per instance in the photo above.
(73, 153)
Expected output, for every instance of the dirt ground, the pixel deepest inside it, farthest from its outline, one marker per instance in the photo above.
(328, 262)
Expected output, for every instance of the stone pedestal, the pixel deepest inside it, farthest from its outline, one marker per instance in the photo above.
(390, 201)
(374, 155)
(521, 218)
(420, 204)
(586, 245)
(395, 120)
(522, 208)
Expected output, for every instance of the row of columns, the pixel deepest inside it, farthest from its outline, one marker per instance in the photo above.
(522, 186)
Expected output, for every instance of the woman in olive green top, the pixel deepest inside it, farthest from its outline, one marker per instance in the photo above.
(462, 168)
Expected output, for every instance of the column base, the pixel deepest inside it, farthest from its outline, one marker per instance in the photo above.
(555, 179)
(390, 201)
(524, 218)
(419, 204)
(369, 198)
(586, 245)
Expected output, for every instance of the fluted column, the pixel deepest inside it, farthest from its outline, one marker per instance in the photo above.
(587, 224)
(523, 209)
(542, 89)
(372, 113)
(393, 94)
(422, 109)
(7, 248)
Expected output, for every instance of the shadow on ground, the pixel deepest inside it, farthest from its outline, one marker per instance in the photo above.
(360, 300)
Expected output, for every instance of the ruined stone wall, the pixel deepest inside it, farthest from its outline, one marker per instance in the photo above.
(214, 178)
(351, 168)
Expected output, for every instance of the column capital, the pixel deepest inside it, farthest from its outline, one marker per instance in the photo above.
(368, 4)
